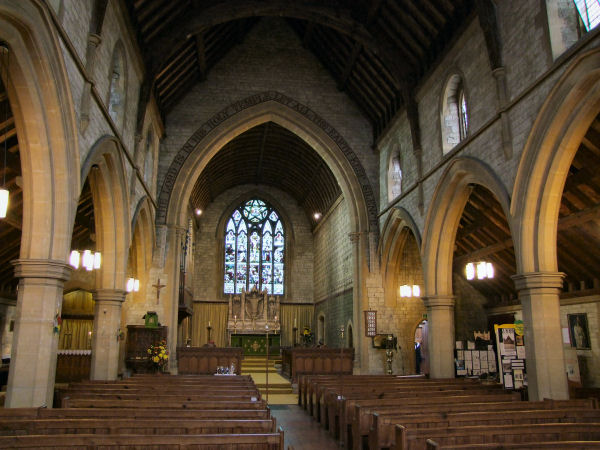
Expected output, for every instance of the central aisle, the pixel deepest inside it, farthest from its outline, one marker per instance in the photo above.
(300, 430)
(280, 389)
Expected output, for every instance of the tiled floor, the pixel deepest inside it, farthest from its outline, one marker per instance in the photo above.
(300, 430)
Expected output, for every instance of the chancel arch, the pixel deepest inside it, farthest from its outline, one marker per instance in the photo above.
(287, 113)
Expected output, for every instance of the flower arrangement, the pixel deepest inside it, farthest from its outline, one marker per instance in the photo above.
(307, 336)
(158, 354)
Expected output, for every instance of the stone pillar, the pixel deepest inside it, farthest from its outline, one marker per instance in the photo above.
(33, 358)
(175, 236)
(105, 345)
(361, 348)
(539, 295)
(440, 344)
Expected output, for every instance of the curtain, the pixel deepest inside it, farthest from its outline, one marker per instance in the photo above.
(216, 313)
(302, 315)
(75, 334)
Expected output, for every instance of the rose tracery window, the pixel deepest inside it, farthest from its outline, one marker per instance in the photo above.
(254, 249)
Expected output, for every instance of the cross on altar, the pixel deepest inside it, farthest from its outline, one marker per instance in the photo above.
(158, 287)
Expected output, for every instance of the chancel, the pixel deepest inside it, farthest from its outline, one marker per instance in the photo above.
(258, 176)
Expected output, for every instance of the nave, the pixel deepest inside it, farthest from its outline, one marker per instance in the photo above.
(159, 410)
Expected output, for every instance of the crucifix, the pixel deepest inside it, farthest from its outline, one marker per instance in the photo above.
(158, 287)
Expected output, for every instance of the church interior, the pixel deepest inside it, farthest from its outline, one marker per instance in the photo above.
(354, 187)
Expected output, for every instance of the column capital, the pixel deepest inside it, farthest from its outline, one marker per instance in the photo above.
(42, 268)
(538, 280)
(439, 301)
(109, 295)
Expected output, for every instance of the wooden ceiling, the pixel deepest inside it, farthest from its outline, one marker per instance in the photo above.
(10, 177)
(372, 48)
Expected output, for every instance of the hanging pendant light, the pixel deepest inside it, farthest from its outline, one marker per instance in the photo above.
(3, 191)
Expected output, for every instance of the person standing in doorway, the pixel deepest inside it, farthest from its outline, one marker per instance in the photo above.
(418, 357)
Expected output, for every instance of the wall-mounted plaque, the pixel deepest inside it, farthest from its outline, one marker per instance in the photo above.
(370, 323)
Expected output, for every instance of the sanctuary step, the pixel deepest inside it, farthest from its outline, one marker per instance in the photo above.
(280, 389)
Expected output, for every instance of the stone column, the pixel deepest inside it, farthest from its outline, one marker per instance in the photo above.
(361, 348)
(33, 358)
(539, 295)
(105, 345)
(440, 344)
(175, 235)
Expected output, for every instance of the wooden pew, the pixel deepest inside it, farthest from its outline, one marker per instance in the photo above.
(346, 407)
(316, 388)
(10, 427)
(55, 413)
(159, 404)
(309, 383)
(145, 397)
(382, 434)
(256, 441)
(305, 382)
(416, 439)
(570, 445)
(335, 404)
(362, 419)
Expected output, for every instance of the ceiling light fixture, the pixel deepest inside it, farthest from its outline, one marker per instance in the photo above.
(317, 215)
(410, 291)
(90, 260)
(133, 285)
(481, 270)
(198, 211)
(3, 191)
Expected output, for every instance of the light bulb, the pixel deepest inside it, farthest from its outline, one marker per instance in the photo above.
(3, 203)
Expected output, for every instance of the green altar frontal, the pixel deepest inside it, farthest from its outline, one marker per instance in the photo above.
(255, 344)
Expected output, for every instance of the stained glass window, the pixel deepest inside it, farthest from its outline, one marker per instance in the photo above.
(254, 249)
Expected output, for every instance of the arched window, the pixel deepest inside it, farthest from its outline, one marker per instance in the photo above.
(394, 177)
(117, 90)
(254, 249)
(455, 118)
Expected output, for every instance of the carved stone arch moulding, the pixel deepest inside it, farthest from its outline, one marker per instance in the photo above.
(237, 107)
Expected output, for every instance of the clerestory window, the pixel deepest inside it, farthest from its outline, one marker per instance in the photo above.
(254, 249)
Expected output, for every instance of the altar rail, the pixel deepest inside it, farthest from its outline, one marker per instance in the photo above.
(205, 360)
(317, 361)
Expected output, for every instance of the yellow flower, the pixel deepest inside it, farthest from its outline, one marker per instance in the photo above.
(155, 359)
(165, 356)
(149, 350)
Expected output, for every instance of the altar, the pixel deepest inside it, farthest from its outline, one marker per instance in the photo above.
(253, 314)
(255, 344)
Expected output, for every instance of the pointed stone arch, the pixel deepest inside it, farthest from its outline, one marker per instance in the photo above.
(46, 126)
(443, 217)
(558, 130)
(47, 140)
(245, 114)
(445, 210)
(554, 139)
(105, 168)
